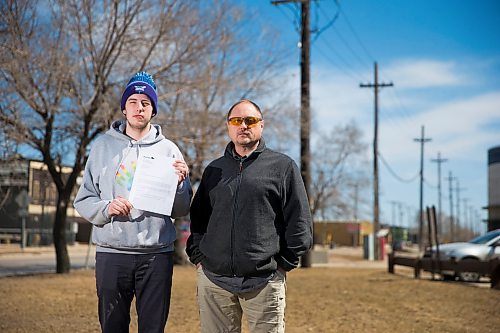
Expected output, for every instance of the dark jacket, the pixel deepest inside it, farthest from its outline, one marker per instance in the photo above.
(250, 216)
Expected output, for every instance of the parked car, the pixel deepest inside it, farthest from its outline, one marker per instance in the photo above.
(484, 247)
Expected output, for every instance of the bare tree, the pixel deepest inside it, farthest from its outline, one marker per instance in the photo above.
(336, 168)
(232, 63)
(56, 80)
(63, 67)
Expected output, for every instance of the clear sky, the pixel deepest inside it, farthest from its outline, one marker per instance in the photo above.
(443, 58)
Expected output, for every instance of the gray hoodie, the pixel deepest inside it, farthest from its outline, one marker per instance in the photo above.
(149, 232)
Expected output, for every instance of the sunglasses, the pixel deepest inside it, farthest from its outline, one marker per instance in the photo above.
(249, 121)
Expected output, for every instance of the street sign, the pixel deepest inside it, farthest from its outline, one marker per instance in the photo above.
(23, 199)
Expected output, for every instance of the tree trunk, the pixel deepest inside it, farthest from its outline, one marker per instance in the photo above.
(59, 234)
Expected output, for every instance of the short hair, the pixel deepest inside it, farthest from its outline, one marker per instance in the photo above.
(240, 102)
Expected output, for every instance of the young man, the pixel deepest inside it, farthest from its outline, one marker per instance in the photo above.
(250, 223)
(134, 255)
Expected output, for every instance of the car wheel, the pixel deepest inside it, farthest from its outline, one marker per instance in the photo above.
(469, 276)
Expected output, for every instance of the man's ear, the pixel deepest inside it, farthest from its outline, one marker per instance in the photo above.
(124, 112)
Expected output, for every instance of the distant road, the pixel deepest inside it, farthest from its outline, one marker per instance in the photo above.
(35, 260)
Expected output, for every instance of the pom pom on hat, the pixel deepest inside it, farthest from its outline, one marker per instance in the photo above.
(141, 83)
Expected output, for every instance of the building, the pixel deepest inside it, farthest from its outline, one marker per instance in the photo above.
(28, 182)
(493, 188)
(341, 233)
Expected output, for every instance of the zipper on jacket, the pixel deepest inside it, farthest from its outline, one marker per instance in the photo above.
(235, 207)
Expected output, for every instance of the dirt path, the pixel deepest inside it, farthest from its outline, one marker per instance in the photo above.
(330, 299)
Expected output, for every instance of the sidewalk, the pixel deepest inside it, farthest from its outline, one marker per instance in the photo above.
(351, 257)
(15, 261)
(16, 250)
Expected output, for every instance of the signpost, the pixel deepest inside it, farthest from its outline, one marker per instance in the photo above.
(23, 201)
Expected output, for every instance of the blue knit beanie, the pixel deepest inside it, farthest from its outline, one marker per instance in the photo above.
(141, 83)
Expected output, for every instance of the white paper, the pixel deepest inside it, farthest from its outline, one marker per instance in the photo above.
(155, 184)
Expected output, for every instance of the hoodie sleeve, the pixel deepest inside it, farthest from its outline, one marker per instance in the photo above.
(298, 220)
(88, 202)
(184, 192)
(182, 199)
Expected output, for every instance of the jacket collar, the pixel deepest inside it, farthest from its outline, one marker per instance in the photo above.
(231, 152)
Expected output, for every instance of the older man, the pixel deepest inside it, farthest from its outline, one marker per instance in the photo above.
(250, 223)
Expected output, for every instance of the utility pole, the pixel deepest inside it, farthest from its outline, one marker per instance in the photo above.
(393, 219)
(452, 223)
(376, 224)
(400, 209)
(439, 160)
(466, 218)
(422, 141)
(305, 112)
(459, 189)
(409, 216)
(355, 234)
(471, 221)
(356, 194)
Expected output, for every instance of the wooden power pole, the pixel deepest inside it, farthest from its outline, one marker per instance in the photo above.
(376, 224)
(450, 180)
(422, 141)
(439, 160)
(305, 111)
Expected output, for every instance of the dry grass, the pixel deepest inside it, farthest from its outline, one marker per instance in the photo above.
(318, 300)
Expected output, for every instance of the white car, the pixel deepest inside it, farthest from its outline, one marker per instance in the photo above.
(484, 247)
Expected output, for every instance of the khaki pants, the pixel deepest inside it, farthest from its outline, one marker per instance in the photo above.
(221, 311)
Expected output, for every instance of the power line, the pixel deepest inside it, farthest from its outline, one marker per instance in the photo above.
(400, 111)
(391, 171)
(328, 25)
(354, 54)
(354, 32)
(296, 20)
(348, 46)
(317, 33)
(343, 69)
(429, 184)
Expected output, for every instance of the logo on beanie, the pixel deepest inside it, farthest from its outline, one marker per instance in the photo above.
(139, 89)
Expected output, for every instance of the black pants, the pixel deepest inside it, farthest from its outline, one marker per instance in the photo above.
(121, 276)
